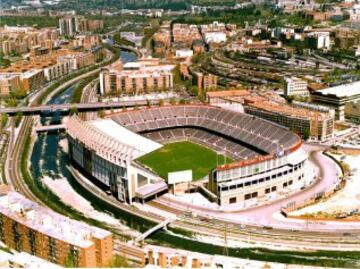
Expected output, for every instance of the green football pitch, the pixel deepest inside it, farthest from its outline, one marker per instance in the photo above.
(184, 155)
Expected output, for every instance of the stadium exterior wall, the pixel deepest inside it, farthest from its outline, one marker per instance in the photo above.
(238, 184)
(122, 181)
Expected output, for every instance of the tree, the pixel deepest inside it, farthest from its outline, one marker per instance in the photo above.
(173, 101)
(161, 102)
(11, 102)
(4, 119)
(118, 261)
(71, 260)
(193, 90)
(18, 118)
(73, 110)
(101, 113)
(197, 58)
(306, 134)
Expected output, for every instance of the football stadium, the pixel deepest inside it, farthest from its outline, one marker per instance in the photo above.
(232, 156)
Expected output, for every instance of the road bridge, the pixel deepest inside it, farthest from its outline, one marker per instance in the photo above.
(129, 48)
(82, 107)
(50, 128)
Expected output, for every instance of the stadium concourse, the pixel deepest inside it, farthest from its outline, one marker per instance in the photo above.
(267, 157)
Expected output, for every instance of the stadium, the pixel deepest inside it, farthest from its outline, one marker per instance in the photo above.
(235, 156)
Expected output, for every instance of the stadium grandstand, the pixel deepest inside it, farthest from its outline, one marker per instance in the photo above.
(259, 148)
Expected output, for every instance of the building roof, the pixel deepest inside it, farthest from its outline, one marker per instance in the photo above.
(227, 93)
(46, 221)
(341, 91)
(125, 136)
(288, 110)
(151, 189)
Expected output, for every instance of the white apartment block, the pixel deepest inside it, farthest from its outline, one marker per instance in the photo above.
(295, 86)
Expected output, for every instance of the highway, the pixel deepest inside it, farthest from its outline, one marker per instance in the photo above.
(14, 163)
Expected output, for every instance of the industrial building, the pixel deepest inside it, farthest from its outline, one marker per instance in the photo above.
(338, 97)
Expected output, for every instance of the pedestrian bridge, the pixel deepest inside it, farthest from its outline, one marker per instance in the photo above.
(160, 226)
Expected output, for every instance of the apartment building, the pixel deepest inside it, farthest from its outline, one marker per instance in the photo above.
(87, 41)
(204, 81)
(32, 80)
(346, 38)
(295, 86)
(29, 227)
(21, 39)
(136, 77)
(9, 83)
(319, 40)
(67, 25)
(184, 35)
(291, 6)
(319, 126)
(77, 60)
(70, 25)
(56, 70)
(163, 36)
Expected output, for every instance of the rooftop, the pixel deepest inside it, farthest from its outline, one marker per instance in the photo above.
(125, 136)
(46, 221)
(341, 91)
(228, 93)
(288, 110)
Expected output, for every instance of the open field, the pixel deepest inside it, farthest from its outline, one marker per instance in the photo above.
(183, 156)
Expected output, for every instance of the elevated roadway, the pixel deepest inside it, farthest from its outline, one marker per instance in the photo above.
(81, 107)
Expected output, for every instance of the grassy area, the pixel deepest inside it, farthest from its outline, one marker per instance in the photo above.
(339, 259)
(38, 21)
(250, 14)
(183, 156)
(149, 32)
(77, 93)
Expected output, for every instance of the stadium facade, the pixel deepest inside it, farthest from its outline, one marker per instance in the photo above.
(268, 157)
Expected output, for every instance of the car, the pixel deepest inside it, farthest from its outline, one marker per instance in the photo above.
(108, 192)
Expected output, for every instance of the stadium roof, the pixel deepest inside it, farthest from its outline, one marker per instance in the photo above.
(125, 136)
(346, 90)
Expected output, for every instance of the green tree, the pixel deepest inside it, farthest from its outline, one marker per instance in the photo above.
(4, 119)
(71, 261)
(306, 134)
(173, 101)
(118, 262)
(193, 90)
(19, 93)
(101, 113)
(18, 118)
(11, 102)
(73, 110)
